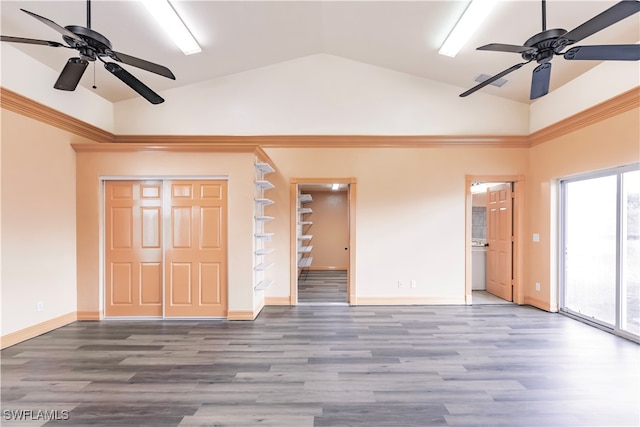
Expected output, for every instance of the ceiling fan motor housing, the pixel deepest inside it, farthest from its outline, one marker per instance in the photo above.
(96, 43)
(544, 45)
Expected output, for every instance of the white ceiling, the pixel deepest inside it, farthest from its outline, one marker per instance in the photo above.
(241, 35)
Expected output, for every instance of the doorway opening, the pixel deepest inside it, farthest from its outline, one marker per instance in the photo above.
(493, 246)
(322, 247)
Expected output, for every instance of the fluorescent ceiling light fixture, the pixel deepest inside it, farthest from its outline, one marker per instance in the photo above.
(335, 187)
(471, 19)
(482, 187)
(478, 187)
(171, 22)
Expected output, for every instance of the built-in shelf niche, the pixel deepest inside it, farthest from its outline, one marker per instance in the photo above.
(261, 236)
(304, 248)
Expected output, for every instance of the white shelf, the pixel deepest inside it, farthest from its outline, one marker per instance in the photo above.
(263, 266)
(264, 201)
(304, 248)
(260, 234)
(264, 235)
(264, 251)
(264, 184)
(265, 167)
(264, 284)
(305, 262)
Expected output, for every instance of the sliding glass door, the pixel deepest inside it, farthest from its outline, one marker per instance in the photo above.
(601, 249)
(630, 275)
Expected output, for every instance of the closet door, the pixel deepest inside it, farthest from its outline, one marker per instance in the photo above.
(133, 248)
(196, 249)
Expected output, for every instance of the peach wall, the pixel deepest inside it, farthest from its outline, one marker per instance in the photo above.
(410, 217)
(609, 143)
(239, 169)
(38, 223)
(330, 229)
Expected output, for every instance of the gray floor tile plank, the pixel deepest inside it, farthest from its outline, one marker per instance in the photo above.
(493, 365)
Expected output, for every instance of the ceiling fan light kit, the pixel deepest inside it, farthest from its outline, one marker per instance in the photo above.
(542, 47)
(92, 46)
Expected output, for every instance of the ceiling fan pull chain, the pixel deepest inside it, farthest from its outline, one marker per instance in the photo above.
(94, 76)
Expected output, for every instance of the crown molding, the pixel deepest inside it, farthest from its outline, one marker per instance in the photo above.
(619, 104)
(173, 148)
(334, 141)
(20, 104)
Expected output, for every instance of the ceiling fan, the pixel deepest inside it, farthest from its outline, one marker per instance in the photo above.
(92, 45)
(544, 45)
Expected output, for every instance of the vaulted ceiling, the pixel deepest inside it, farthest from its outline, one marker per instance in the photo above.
(242, 35)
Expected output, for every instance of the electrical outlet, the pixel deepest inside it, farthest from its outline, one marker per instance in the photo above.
(413, 284)
(39, 306)
(399, 284)
(537, 286)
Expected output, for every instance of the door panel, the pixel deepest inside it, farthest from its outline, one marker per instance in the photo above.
(195, 254)
(121, 292)
(499, 238)
(180, 283)
(151, 227)
(133, 253)
(150, 276)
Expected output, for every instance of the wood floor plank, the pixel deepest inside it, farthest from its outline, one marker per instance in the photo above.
(493, 365)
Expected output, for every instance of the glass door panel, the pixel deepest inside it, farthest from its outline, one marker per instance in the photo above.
(590, 248)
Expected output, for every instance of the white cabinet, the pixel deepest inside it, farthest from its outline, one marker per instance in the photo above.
(478, 268)
(261, 237)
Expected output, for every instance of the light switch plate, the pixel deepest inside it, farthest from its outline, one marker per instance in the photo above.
(536, 237)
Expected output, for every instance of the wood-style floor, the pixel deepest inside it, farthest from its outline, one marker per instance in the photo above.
(322, 286)
(330, 366)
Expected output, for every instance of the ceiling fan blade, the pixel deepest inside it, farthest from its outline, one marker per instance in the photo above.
(616, 52)
(29, 41)
(58, 28)
(500, 47)
(493, 79)
(133, 83)
(540, 80)
(616, 13)
(141, 63)
(71, 74)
